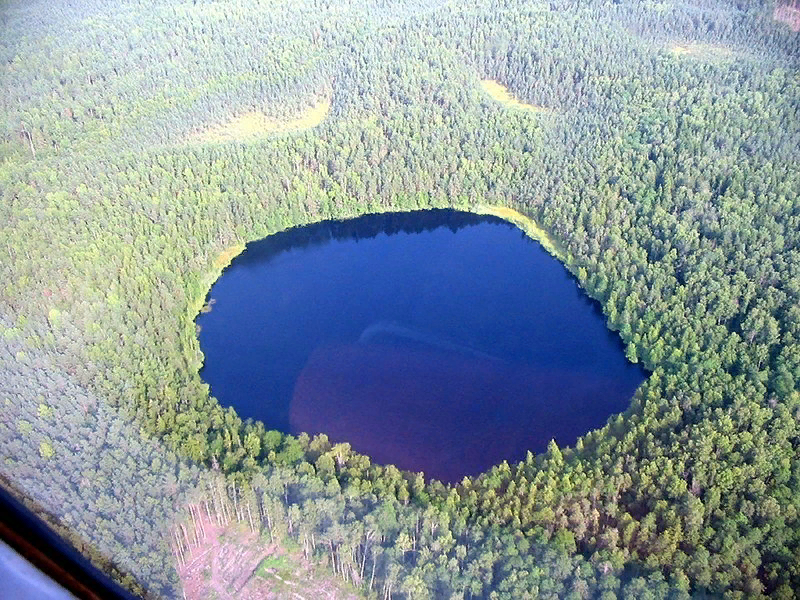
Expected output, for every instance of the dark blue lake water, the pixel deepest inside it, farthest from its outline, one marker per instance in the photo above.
(438, 341)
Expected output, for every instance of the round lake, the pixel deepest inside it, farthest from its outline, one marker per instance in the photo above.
(438, 341)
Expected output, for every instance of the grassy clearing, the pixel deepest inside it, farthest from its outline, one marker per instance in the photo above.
(527, 225)
(703, 51)
(227, 255)
(255, 125)
(500, 93)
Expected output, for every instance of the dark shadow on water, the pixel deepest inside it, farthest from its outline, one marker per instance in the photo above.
(361, 228)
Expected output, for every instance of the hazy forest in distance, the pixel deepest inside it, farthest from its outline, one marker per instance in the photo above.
(652, 146)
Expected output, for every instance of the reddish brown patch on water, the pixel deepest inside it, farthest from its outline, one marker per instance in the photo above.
(447, 415)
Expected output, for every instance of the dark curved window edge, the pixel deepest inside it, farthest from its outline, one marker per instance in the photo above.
(36, 542)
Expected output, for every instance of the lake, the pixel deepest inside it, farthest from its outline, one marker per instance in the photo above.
(438, 341)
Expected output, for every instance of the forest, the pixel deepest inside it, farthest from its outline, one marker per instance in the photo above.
(659, 154)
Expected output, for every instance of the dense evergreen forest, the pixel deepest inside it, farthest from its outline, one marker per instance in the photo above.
(661, 160)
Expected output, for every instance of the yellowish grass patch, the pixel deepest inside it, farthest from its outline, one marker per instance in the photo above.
(500, 93)
(227, 255)
(703, 51)
(255, 125)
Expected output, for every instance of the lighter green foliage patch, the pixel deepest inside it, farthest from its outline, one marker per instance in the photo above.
(278, 562)
(500, 93)
(46, 450)
(45, 411)
(255, 124)
(703, 51)
(24, 427)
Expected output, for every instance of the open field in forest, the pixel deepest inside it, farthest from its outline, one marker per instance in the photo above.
(255, 125)
(703, 51)
(500, 93)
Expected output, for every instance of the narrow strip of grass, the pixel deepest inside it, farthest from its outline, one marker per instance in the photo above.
(217, 266)
(198, 302)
